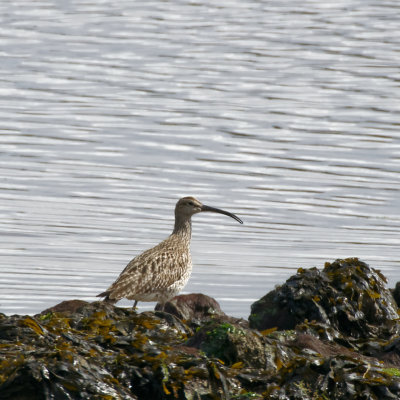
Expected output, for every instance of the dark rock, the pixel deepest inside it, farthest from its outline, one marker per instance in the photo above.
(67, 306)
(386, 351)
(346, 295)
(230, 343)
(191, 350)
(102, 351)
(195, 308)
(396, 293)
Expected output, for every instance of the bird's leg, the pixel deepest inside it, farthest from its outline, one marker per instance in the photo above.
(134, 305)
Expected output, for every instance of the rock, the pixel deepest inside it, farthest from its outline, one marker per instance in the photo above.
(230, 343)
(396, 293)
(102, 351)
(191, 350)
(324, 348)
(69, 306)
(196, 308)
(346, 295)
(385, 351)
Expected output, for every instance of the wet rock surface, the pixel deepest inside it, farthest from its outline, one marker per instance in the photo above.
(324, 334)
(347, 296)
(195, 308)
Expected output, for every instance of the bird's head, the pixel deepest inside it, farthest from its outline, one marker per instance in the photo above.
(188, 206)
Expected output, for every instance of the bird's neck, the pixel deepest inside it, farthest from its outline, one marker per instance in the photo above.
(183, 227)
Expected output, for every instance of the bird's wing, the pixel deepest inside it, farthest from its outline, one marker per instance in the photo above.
(154, 269)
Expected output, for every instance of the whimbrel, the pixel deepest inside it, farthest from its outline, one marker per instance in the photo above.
(160, 273)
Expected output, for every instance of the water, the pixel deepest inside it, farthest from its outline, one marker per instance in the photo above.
(285, 113)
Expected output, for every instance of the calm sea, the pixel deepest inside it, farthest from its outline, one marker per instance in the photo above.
(286, 113)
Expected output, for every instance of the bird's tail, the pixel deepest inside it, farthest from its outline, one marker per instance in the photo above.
(106, 296)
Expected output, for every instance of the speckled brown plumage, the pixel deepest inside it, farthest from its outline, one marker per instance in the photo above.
(161, 272)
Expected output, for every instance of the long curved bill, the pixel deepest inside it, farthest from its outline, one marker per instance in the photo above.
(219, 211)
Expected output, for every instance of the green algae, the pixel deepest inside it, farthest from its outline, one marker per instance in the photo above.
(391, 371)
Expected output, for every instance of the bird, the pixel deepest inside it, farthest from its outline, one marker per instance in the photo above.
(160, 273)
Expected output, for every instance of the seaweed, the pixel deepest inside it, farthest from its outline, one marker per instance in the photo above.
(324, 334)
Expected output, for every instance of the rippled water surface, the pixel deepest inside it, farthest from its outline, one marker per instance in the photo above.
(284, 112)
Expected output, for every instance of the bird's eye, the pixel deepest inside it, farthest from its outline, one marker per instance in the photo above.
(191, 203)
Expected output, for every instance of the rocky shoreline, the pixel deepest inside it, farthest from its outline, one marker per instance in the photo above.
(324, 334)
